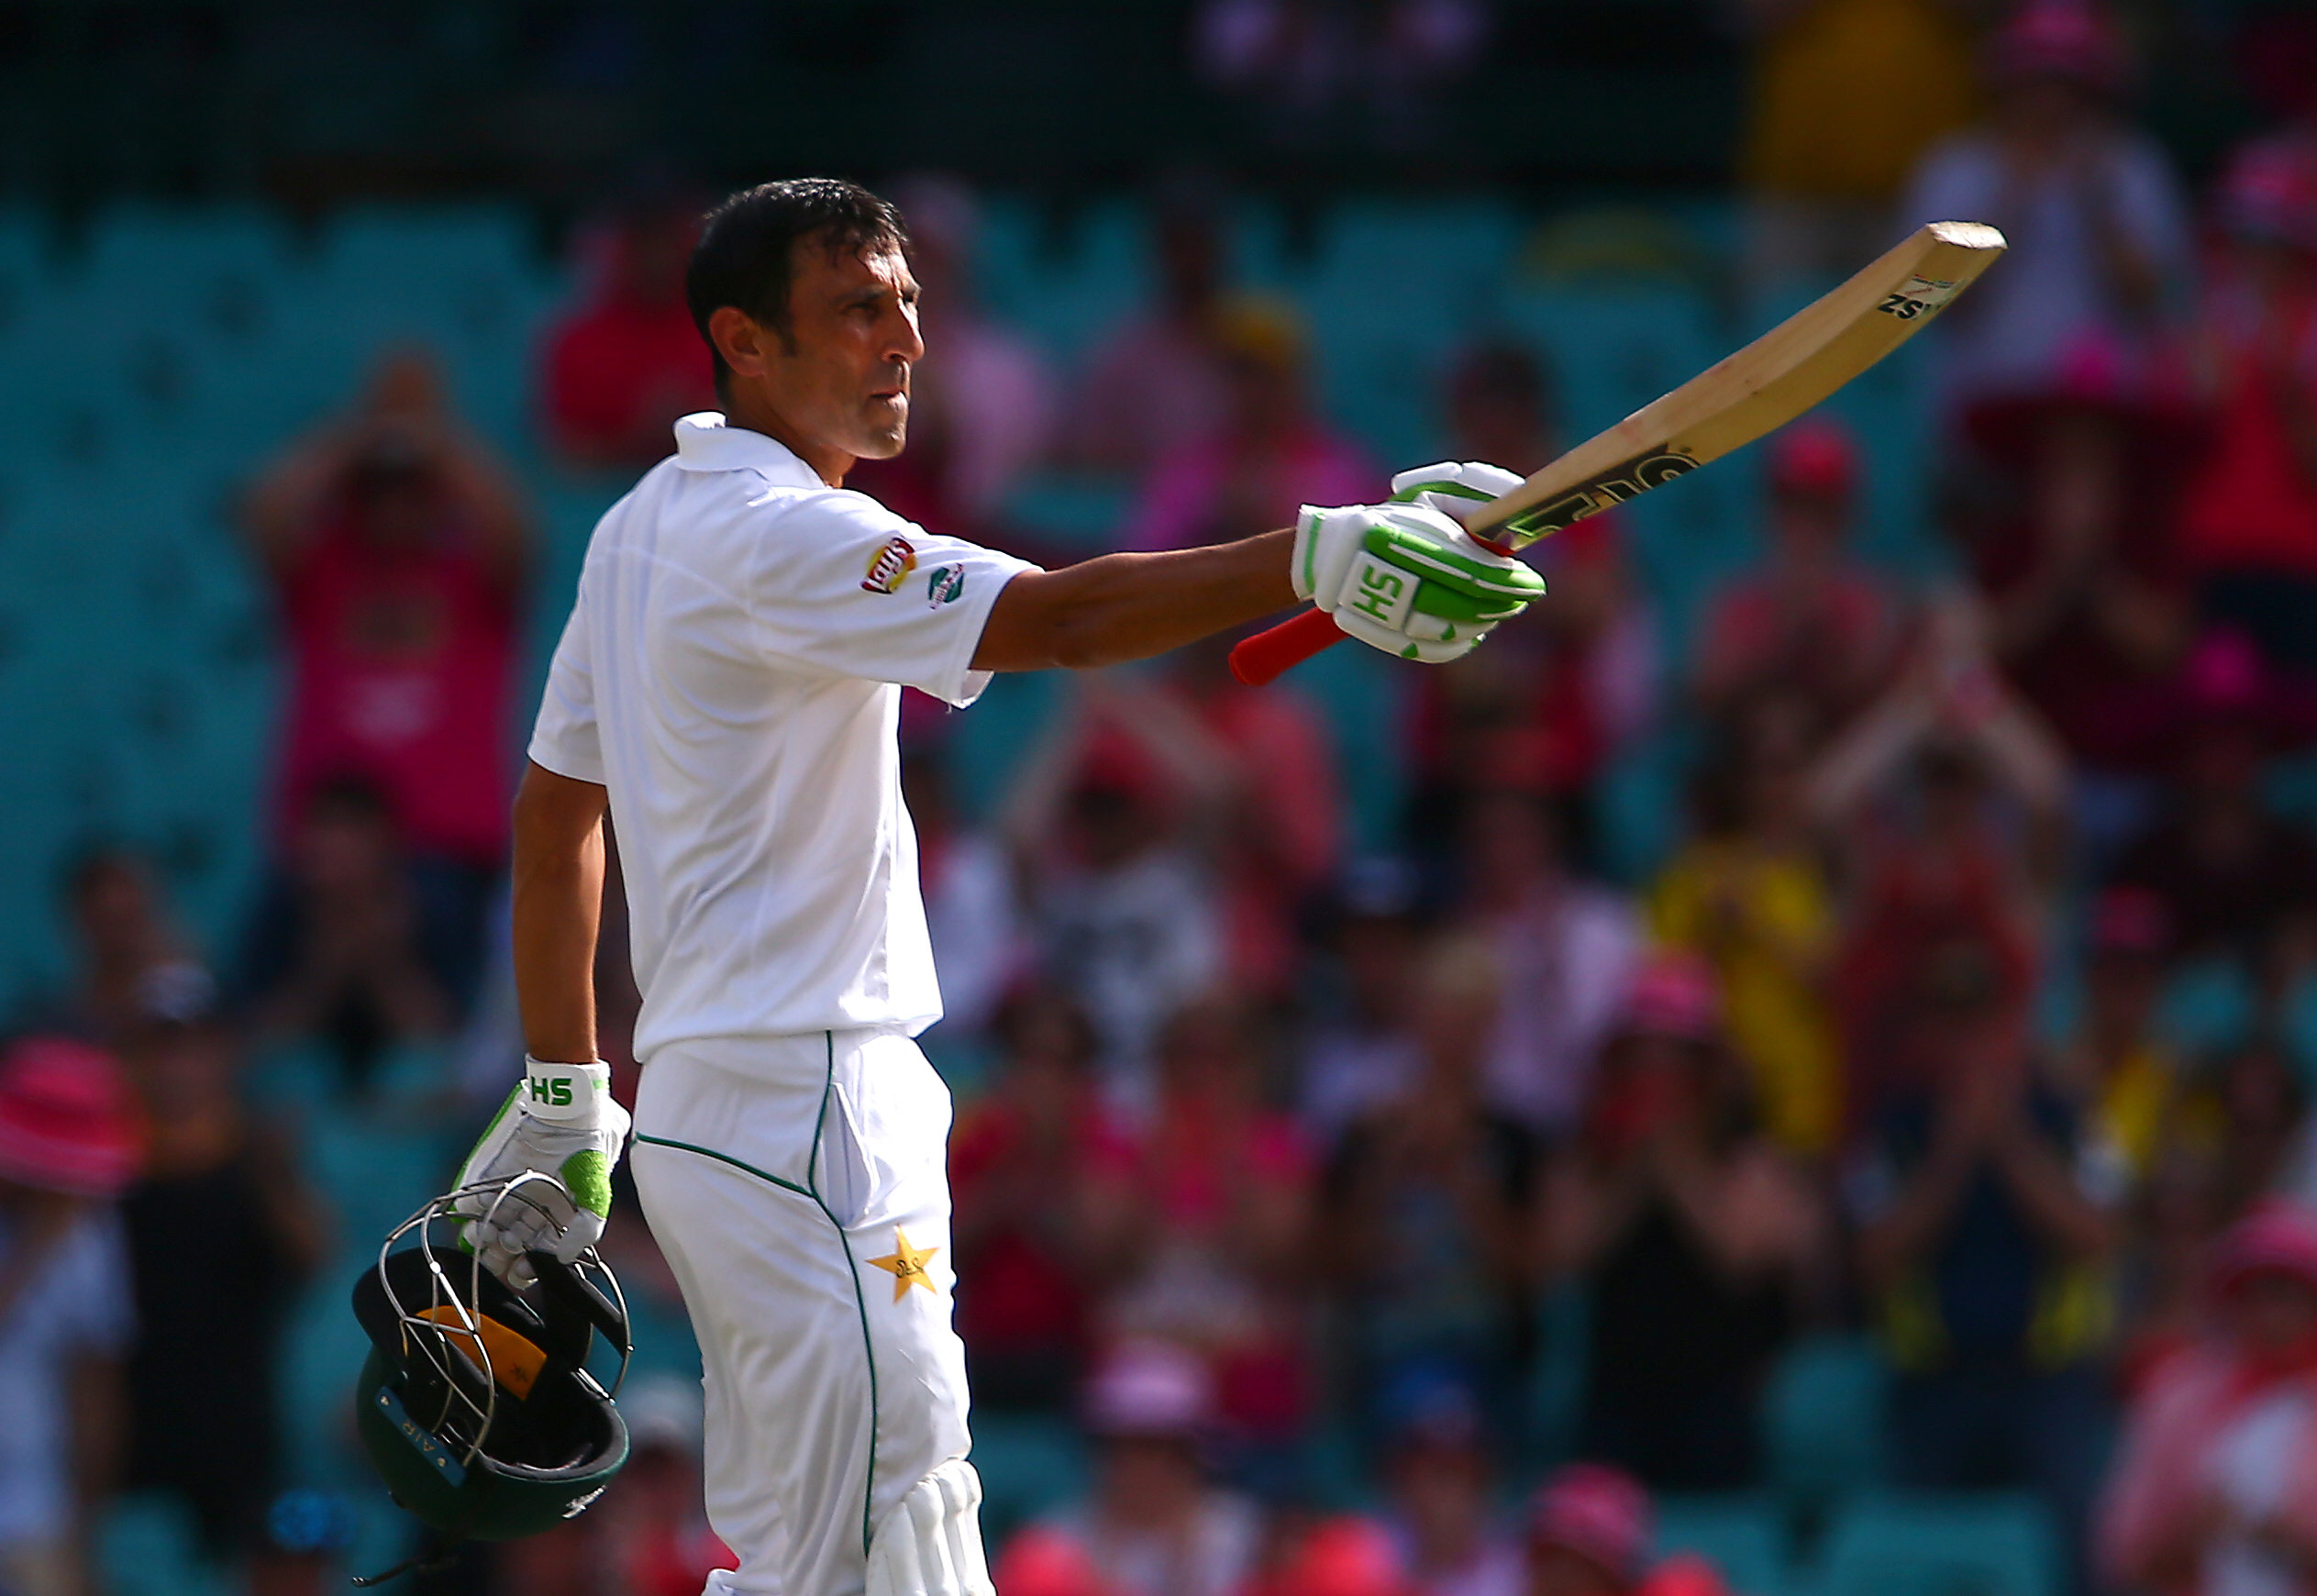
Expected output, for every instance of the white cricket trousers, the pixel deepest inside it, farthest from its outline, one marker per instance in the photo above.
(799, 1188)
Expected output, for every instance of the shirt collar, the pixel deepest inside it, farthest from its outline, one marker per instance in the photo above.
(706, 442)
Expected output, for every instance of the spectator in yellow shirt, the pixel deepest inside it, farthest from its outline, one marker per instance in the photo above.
(1749, 893)
(2117, 1065)
(1843, 96)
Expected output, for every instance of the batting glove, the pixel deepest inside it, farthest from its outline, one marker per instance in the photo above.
(1453, 487)
(560, 1122)
(1405, 577)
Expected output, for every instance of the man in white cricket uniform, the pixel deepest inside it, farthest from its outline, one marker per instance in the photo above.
(728, 689)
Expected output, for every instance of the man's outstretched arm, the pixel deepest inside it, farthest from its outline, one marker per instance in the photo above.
(559, 899)
(1118, 607)
(1403, 577)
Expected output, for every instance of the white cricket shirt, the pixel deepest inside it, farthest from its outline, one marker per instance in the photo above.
(729, 672)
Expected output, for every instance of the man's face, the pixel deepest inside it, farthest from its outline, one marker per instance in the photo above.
(839, 381)
(853, 329)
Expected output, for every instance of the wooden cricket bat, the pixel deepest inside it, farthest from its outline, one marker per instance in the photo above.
(1766, 384)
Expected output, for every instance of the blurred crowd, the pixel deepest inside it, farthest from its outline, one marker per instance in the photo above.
(1974, 1011)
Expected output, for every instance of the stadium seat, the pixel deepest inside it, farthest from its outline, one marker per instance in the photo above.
(1083, 515)
(1740, 1533)
(1961, 1545)
(1638, 819)
(1064, 283)
(1548, 1430)
(2210, 1006)
(1030, 1463)
(146, 1544)
(1388, 312)
(1823, 1421)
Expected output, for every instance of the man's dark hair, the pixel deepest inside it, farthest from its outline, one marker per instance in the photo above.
(748, 246)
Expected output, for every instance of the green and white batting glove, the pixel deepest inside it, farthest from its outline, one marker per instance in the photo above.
(1453, 487)
(1405, 577)
(560, 1122)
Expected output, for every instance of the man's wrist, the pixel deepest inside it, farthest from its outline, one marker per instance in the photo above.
(565, 1092)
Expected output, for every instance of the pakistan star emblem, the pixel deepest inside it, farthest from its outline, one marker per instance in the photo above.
(906, 1264)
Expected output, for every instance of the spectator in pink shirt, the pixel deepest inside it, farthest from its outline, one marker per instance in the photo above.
(1157, 383)
(1577, 685)
(1227, 1181)
(1568, 949)
(619, 366)
(1249, 777)
(2216, 1492)
(1151, 1522)
(1812, 623)
(397, 548)
(1268, 455)
(2248, 524)
(981, 410)
(1274, 824)
(1046, 1217)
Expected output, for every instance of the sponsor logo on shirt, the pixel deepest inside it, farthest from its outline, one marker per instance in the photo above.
(891, 566)
(946, 585)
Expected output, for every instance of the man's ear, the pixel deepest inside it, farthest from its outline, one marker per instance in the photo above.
(741, 339)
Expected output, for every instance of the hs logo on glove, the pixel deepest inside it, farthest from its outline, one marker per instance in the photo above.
(1380, 591)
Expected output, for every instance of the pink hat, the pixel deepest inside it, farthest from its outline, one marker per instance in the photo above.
(1599, 1512)
(1339, 1557)
(1686, 1573)
(1675, 994)
(2275, 1237)
(2059, 39)
(1149, 1387)
(2096, 373)
(67, 1122)
(1041, 1562)
(1815, 457)
(2225, 682)
(2269, 192)
(2129, 920)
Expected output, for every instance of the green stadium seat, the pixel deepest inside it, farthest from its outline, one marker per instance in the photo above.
(1082, 515)
(1638, 819)
(2210, 1006)
(1395, 292)
(146, 1544)
(1960, 1544)
(1030, 1465)
(1740, 1533)
(1822, 1420)
(1064, 284)
(1547, 1432)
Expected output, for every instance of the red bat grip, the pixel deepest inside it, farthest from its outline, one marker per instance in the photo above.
(1270, 654)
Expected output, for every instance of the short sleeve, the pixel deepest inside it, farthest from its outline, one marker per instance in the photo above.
(844, 586)
(565, 738)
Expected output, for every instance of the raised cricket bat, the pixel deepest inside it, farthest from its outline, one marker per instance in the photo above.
(1766, 384)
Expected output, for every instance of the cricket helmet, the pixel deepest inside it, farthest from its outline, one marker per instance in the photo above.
(475, 1404)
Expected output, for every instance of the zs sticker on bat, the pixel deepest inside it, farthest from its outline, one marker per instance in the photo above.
(1919, 296)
